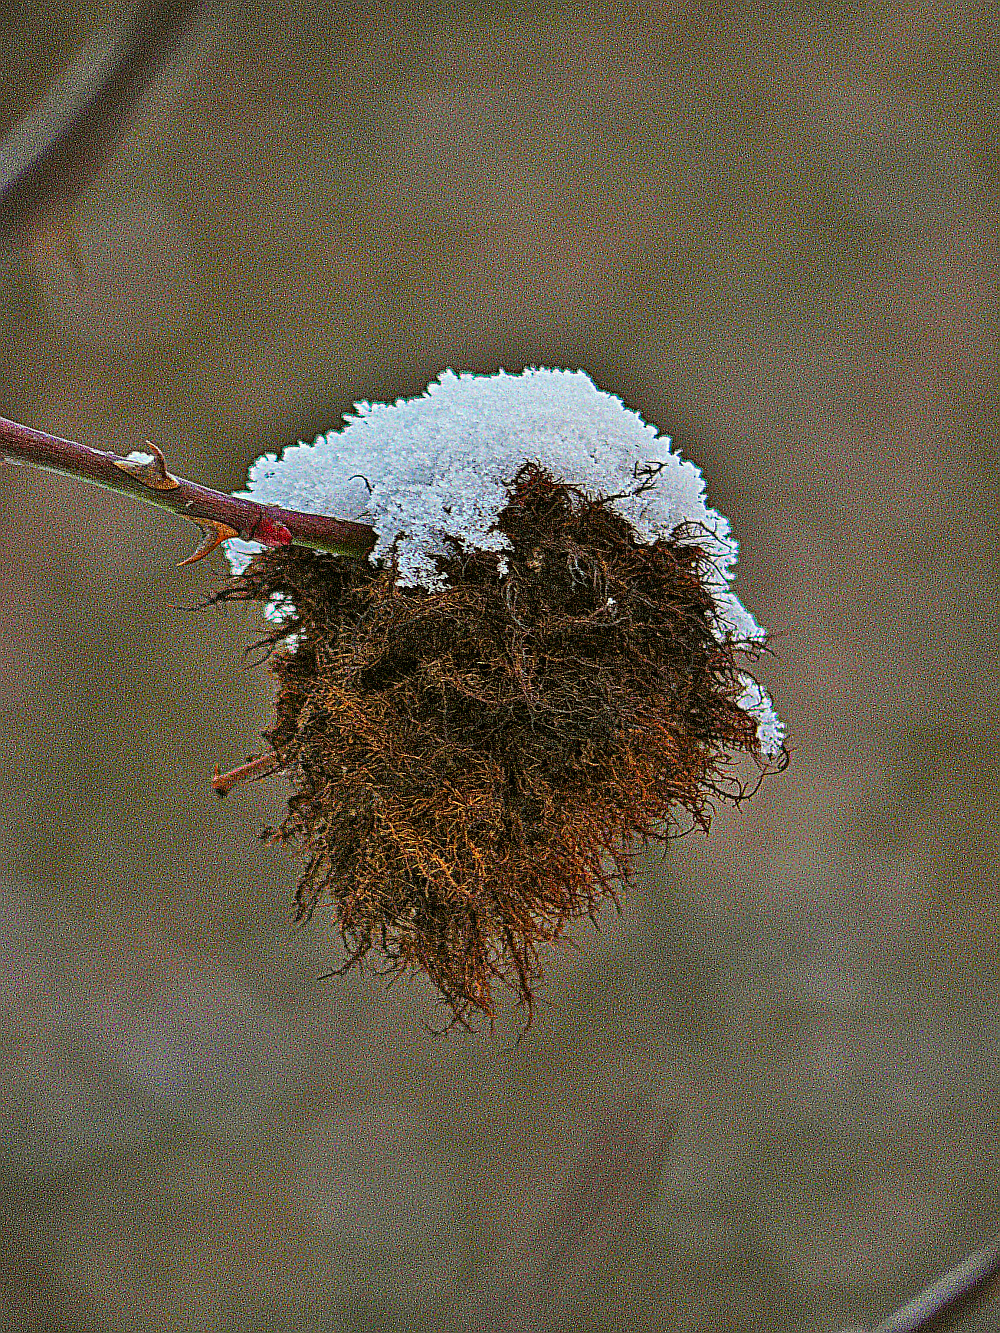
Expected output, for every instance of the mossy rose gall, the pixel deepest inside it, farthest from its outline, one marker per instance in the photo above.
(540, 663)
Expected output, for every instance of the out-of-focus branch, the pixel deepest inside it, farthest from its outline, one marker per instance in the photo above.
(223, 515)
(612, 1178)
(948, 1297)
(54, 153)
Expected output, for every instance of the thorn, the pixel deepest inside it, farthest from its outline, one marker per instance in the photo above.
(215, 534)
(253, 768)
(269, 532)
(153, 473)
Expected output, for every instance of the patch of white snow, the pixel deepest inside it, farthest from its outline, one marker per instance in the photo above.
(422, 469)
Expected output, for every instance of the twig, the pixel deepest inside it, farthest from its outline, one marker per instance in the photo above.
(224, 516)
(253, 768)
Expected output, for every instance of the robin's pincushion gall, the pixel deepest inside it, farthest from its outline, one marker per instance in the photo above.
(536, 668)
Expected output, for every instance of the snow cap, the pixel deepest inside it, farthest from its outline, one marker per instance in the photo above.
(438, 465)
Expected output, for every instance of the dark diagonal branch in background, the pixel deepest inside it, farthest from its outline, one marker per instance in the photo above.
(222, 515)
(57, 150)
(613, 1177)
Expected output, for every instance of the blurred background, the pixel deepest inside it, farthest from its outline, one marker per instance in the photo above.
(766, 1096)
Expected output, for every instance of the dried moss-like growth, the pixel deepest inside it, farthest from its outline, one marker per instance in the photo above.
(472, 768)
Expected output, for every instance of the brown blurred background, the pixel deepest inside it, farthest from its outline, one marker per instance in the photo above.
(767, 1096)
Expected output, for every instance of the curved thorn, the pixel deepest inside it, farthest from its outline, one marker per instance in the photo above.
(215, 534)
(152, 472)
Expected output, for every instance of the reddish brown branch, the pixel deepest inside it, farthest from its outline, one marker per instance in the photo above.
(268, 524)
(52, 155)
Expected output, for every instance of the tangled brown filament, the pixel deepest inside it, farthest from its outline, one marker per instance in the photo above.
(473, 768)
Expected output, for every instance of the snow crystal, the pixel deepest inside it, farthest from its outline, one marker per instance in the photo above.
(424, 468)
